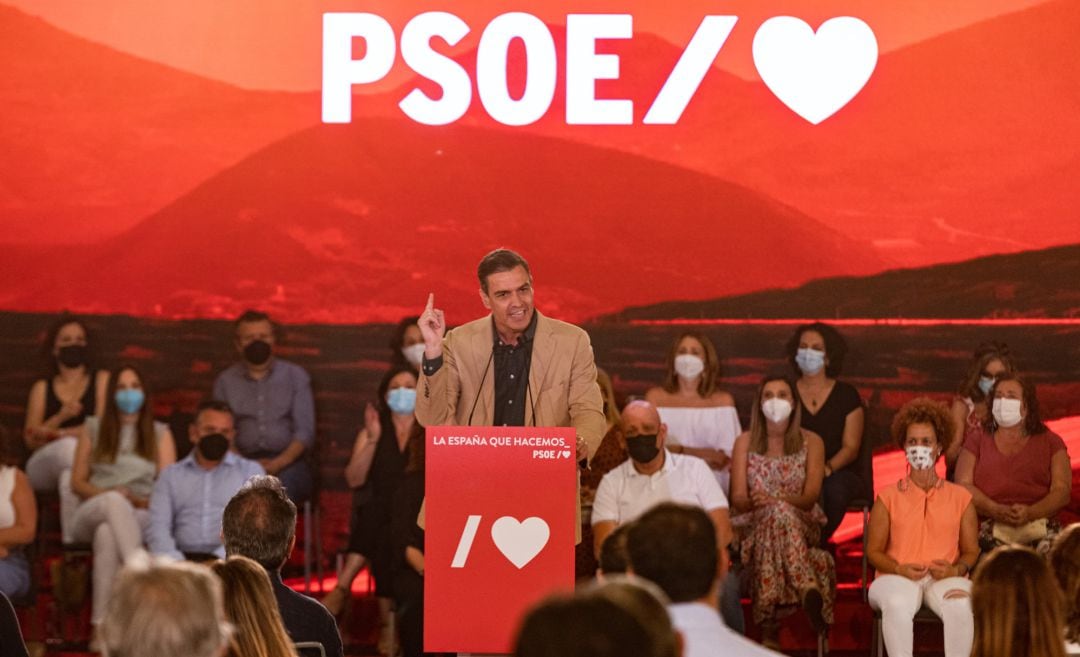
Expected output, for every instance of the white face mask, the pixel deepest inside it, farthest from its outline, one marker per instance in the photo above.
(776, 409)
(920, 457)
(414, 354)
(689, 366)
(1007, 412)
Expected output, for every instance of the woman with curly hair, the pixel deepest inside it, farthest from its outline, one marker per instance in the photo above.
(923, 538)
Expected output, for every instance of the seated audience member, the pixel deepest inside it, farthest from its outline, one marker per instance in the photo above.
(621, 618)
(252, 610)
(776, 478)
(273, 405)
(923, 538)
(190, 496)
(116, 462)
(164, 609)
(407, 345)
(1017, 470)
(1016, 606)
(675, 547)
(1065, 564)
(969, 408)
(701, 419)
(11, 639)
(61, 402)
(260, 523)
(833, 410)
(609, 455)
(653, 475)
(18, 520)
(613, 557)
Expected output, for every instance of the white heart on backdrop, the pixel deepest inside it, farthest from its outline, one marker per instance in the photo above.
(566, 453)
(520, 542)
(815, 74)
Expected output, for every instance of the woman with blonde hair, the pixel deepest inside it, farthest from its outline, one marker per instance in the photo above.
(1065, 564)
(1016, 605)
(252, 609)
(700, 417)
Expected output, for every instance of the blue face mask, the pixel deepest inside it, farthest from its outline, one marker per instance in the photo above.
(810, 361)
(401, 401)
(985, 384)
(130, 400)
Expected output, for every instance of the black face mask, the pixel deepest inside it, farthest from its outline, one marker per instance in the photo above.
(72, 355)
(214, 446)
(257, 352)
(642, 448)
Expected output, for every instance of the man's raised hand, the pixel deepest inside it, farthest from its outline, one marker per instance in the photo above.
(432, 328)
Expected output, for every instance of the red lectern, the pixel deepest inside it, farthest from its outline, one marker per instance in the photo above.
(499, 531)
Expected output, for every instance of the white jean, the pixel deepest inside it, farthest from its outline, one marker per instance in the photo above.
(116, 529)
(900, 598)
(44, 466)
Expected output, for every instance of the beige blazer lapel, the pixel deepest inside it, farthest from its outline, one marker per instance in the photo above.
(483, 372)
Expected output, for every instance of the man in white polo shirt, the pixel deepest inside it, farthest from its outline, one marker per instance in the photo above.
(653, 475)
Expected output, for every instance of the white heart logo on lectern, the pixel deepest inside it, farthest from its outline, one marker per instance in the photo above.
(520, 542)
(815, 74)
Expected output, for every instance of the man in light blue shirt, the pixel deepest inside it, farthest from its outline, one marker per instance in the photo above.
(273, 404)
(190, 495)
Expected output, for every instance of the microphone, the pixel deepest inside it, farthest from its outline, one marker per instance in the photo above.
(532, 403)
(480, 388)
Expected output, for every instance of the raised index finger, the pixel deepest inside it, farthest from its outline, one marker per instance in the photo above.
(430, 300)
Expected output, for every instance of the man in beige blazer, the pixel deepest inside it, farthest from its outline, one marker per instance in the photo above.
(514, 367)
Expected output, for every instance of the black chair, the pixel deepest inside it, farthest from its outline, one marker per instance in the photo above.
(11, 639)
(310, 649)
(863, 503)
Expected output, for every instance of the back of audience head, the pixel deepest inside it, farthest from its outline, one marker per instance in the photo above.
(614, 559)
(1016, 605)
(164, 609)
(674, 546)
(260, 522)
(252, 609)
(1065, 564)
(619, 618)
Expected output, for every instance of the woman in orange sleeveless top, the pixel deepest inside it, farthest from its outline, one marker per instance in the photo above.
(923, 538)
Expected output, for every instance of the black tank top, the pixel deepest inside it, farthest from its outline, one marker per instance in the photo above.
(88, 400)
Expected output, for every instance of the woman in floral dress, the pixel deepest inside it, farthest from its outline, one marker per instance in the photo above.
(777, 470)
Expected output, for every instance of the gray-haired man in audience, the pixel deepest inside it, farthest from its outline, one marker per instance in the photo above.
(164, 609)
(260, 523)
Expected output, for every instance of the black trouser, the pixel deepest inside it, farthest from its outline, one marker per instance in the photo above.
(839, 489)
